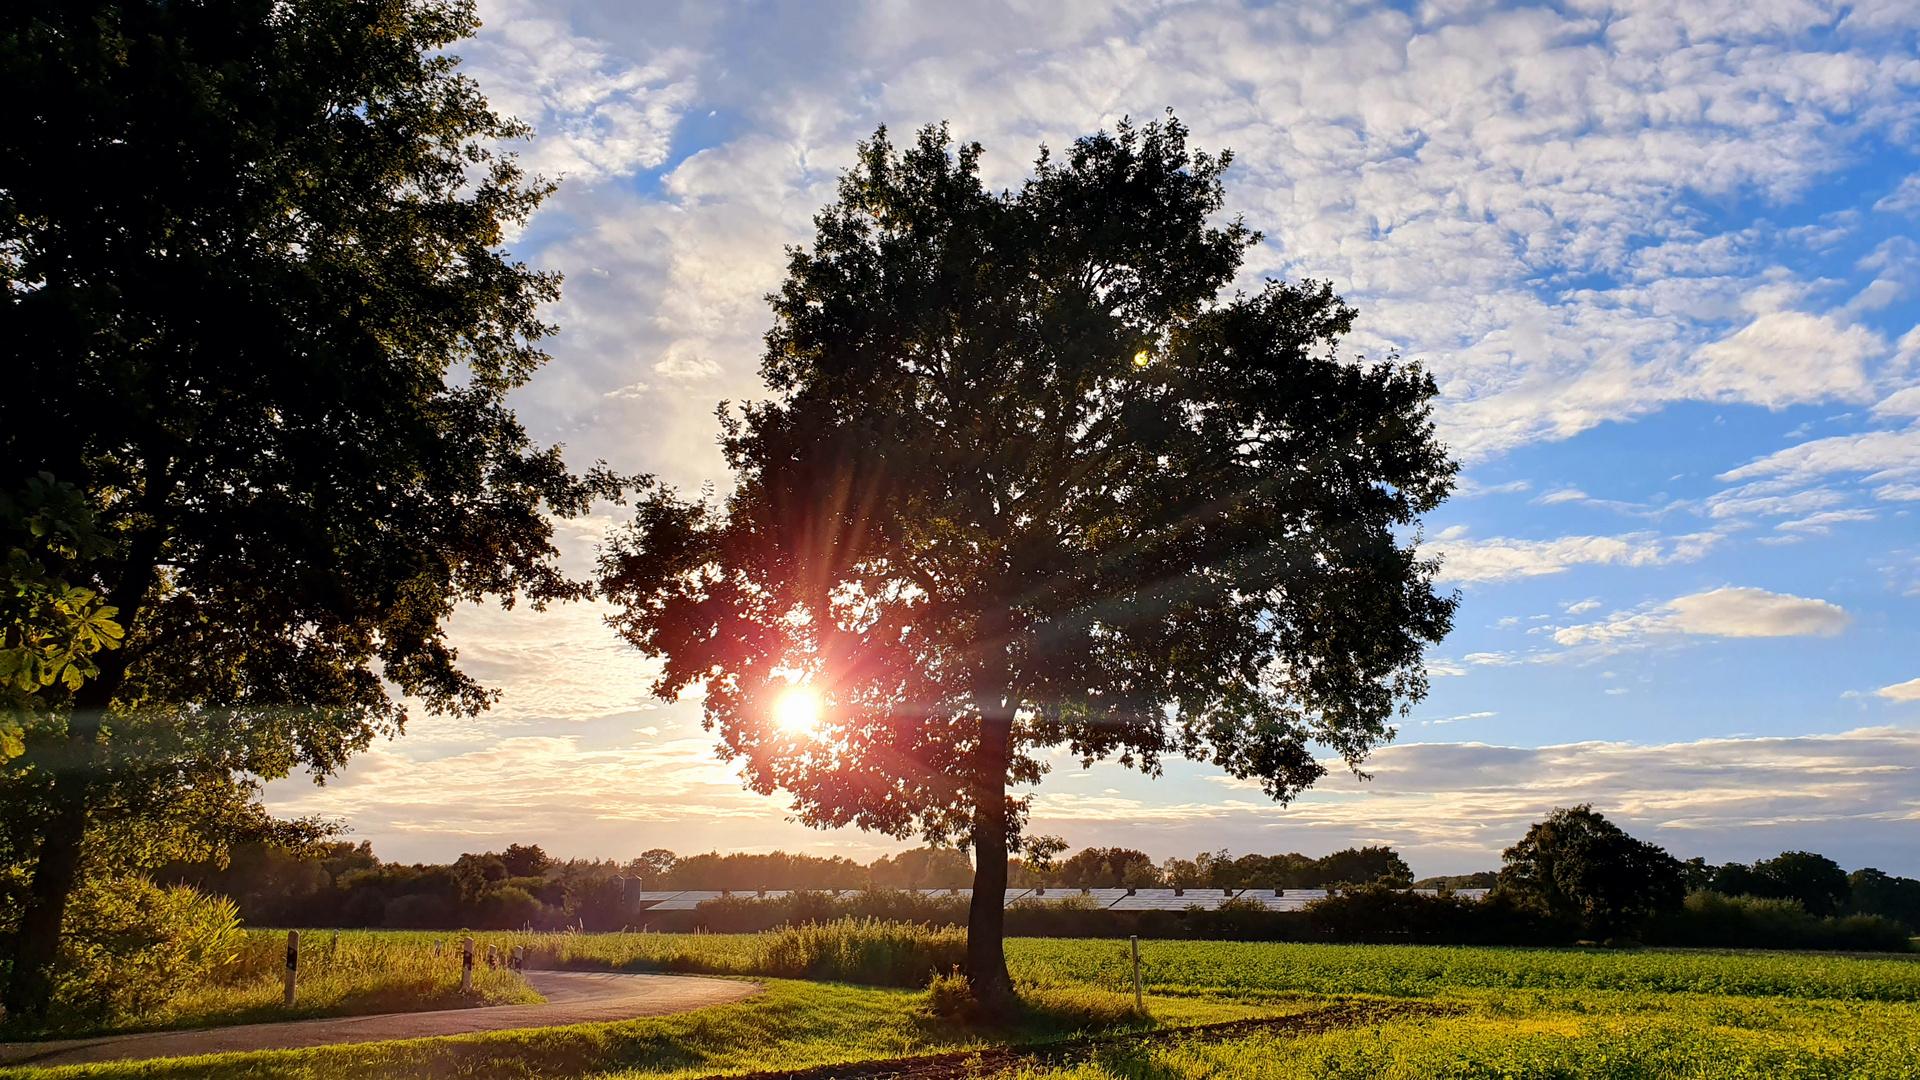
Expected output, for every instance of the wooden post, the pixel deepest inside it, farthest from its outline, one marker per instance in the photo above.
(1138, 1002)
(466, 967)
(293, 964)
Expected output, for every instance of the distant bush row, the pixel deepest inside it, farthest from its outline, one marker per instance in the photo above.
(1374, 913)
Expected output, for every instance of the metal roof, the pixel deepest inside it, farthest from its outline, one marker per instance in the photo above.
(1109, 899)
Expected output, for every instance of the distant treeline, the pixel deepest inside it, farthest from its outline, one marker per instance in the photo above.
(1376, 913)
(1796, 899)
(348, 885)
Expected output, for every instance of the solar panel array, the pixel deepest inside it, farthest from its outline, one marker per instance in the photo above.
(1108, 899)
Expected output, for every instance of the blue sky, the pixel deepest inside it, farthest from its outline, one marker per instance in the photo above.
(1660, 256)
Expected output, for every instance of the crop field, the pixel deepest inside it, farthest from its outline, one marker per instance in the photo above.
(1467, 1013)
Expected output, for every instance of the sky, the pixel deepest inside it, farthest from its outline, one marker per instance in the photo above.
(1661, 257)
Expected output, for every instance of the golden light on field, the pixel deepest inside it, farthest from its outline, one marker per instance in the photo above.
(798, 711)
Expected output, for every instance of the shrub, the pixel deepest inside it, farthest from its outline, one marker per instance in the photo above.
(1710, 919)
(129, 946)
(863, 951)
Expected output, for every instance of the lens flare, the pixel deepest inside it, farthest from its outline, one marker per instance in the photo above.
(798, 711)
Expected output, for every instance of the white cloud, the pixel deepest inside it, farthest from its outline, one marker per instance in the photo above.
(597, 115)
(1725, 612)
(1821, 524)
(1500, 558)
(1904, 199)
(1906, 691)
(1900, 403)
(1770, 499)
(1452, 807)
(1785, 358)
(1508, 194)
(1880, 453)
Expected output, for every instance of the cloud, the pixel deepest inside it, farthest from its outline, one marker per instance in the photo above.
(1906, 691)
(1499, 558)
(1879, 453)
(1904, 199)
(1726, 612)
(1900, 403)
(1527, 200)
(1787, 357)
(1452, 807)
(596, 115)
(1821, 524)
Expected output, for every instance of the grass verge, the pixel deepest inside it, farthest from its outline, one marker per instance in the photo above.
(354, 973)
(794, 1025)
(1601, 1036)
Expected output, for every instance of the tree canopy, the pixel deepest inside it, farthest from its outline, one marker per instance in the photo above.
(1028, 479)
(258, 318)
(1576, 864)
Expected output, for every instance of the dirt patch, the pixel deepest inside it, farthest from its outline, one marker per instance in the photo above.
(975, 1063)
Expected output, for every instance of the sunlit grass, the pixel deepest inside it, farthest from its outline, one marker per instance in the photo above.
(1518, 1013)
(356, 972)
(1604, 1036)
(1256, 968)
(793, 1025)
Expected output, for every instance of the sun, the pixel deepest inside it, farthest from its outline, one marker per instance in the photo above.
(798, 711)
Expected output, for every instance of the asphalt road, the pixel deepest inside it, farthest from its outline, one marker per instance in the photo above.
(573, 997)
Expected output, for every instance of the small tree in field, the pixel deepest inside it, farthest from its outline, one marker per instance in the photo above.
(1028, 480)
(1576, 864)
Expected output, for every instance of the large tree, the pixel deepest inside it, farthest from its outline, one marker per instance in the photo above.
(1579, 866)
(257, 316)
(1028, 479)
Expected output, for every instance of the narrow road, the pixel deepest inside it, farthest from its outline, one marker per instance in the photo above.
(573, 997)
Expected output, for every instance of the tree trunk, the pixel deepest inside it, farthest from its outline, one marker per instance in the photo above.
(56, 864)
(76, 769)
(987, 916)
(29, 988)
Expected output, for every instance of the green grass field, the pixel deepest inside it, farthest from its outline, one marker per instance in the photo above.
(1515, 1014)
(354, 973)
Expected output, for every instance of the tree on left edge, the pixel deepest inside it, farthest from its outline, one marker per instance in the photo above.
(257, 320)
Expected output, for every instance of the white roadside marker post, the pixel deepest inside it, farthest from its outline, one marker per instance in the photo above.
(1138, 1002)
(293, 964)
(466, 967)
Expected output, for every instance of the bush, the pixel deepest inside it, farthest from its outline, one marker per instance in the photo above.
(863, 951)
(1712, 920)
(129, 946)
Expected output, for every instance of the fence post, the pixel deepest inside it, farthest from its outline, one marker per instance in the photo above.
(466, 967)
(293, 964)
(1138, 1002)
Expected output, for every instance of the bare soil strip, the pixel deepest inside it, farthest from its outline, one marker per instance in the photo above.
(972, 1064)
(573, 997)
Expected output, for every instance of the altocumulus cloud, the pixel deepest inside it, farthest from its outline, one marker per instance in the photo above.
(1726, 612)
(1455, 806)
(1497, 559)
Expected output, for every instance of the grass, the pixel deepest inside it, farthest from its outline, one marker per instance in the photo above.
(1519, 1014)
(354, 973)
(847, 950)
(1604, 1037)
(793, 1025)
(1212, 967)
